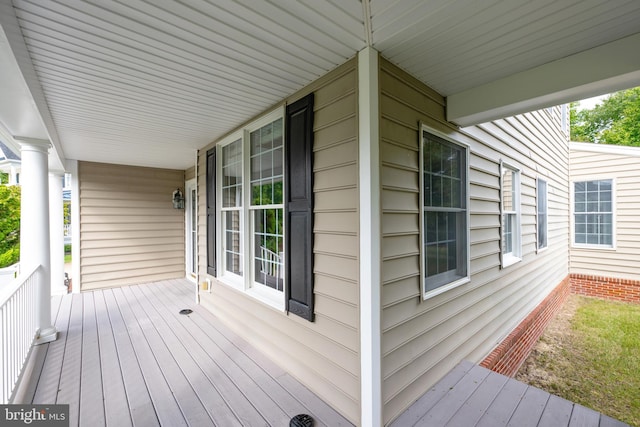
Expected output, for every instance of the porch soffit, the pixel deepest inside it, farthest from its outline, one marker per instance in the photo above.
(148, 83)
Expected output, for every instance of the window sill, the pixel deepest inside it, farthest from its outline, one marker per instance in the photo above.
(270, 297)
(509, 260)
(593, 247)
(263, 294)
(444, 288)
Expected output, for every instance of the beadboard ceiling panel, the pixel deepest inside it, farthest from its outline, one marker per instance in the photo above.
(147, 83)
(454, 45)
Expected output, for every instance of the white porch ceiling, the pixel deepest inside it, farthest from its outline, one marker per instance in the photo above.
(149, 82)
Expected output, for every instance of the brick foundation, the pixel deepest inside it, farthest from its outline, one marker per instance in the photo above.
(511, 353)
(606, 287)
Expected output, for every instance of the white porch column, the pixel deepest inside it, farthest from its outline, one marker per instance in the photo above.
(56, 226)
(370, 240)
(34, 229)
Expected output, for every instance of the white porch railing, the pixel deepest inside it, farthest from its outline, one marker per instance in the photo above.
(18, 328)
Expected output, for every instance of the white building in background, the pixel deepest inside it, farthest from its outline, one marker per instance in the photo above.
(10, 163)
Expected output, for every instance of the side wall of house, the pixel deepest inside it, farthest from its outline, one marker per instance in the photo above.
(621, 262)
(423, 340)
(324, 354)
(129, 231)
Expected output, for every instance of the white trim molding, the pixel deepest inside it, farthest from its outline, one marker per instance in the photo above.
(370, 240)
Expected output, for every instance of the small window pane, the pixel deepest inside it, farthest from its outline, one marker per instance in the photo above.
(232, 174)
(267, 165)
(269, 242)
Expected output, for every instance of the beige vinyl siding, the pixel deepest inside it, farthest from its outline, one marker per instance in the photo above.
(129, 231)
(423, 340)
(323, 354)
(624, 168)
(190, 173)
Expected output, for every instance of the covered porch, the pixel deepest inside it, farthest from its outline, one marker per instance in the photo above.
(127, 357)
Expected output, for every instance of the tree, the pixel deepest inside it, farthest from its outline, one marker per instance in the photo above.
(614, 121)
(9, 225)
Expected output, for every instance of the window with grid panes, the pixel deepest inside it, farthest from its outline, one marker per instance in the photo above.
(593, 212)
(445, 254)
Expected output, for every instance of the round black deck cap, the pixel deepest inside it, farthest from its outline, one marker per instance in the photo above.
(186, 311)
(301, 420)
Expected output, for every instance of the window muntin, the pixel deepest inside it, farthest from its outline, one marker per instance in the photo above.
(445, 213)
(510, 184)
(593, 212)
(267, 204)
(542, 214)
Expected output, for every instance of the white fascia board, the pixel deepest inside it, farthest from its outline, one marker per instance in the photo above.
(604, 69)
(621, 150)
(370, 240)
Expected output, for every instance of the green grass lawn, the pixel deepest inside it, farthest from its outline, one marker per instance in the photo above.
(67, 258)
(594, 360)
(608, 358)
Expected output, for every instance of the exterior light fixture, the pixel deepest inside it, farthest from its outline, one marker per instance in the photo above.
(178, 199)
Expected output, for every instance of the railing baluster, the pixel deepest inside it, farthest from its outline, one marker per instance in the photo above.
(18, 315)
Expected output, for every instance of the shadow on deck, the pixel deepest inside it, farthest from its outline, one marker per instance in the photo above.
(126, 357)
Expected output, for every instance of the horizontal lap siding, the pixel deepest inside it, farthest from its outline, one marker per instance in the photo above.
(323, 354)
(129, 231)
(621, 262)
(423, 340)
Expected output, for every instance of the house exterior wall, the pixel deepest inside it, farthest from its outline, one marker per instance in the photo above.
(423, 339)
(129, 231)
(323, 354)
(622, 164)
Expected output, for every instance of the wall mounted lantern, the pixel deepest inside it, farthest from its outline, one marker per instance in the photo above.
(178, 199)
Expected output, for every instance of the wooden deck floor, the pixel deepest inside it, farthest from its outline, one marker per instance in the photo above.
(470, 395)
(126, 357)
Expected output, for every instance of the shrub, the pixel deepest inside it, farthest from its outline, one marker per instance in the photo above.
(10, 257)
(9, 224)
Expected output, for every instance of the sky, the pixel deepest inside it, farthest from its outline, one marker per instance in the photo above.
(589, 103)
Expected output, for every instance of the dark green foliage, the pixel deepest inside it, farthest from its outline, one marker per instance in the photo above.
(616, 120)
(9, 225)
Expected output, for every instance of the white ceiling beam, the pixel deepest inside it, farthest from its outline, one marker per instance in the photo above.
(604, 69)
(30, 92)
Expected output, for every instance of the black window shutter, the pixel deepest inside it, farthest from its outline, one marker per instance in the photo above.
(299, 207)
(211, 212)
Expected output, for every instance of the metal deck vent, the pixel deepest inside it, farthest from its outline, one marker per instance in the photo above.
(186, 311)
(301, 420)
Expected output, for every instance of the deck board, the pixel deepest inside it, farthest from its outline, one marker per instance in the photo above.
(471, 395)
(116, 408)
(139, 401)
(49, 379)
(69, 386)
(91, 397)
(126, 357)
(164, 402)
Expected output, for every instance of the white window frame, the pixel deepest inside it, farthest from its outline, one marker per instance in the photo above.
(611, 247)
(426, 294)
(540, 247)
(245, 282)
(230, 278)
(515, 256)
